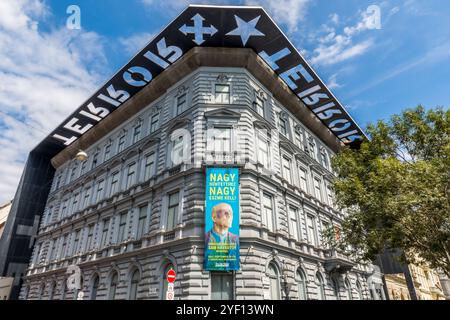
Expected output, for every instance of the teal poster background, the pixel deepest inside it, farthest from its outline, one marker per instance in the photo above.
(222, 219)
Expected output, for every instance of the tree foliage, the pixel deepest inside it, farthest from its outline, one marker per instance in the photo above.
(396, 189)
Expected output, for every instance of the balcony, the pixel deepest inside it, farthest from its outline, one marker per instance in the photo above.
(337, 262)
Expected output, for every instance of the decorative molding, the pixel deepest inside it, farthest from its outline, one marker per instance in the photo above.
(222, 78)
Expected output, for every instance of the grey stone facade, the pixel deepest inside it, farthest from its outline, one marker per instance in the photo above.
(109, 214)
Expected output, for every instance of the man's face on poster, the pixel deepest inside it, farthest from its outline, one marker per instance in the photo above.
(222, 215)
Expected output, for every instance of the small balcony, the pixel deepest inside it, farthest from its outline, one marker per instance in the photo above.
(337, 262)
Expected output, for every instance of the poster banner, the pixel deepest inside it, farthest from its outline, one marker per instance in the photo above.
(222, 219)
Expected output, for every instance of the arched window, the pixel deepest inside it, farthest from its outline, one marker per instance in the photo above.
(165, 270)
(41, 291)
(359, 289)
(94, 288)
(52, 291)
(335, 284)
(134, 284)
(113, 286)
(320, 287)
(275, 292)
(301, 285)
(348, 286)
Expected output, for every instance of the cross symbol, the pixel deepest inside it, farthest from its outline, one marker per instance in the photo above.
(198, 29)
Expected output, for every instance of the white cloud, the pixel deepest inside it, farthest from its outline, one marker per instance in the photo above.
(136, 42)
(333, 83)
(44, 76)
(287, 12)
(334, 18)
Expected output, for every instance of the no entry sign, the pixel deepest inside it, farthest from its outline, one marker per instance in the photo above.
(171, 276)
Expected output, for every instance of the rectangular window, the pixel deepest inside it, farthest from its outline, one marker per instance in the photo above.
(122, 232)
(149, 166)
(76, 242)
(299, 138)
(325, 227)
(100, 188)
(317, 189)
(324, 159)
(137, 133)
(177, 150)
(87, 195)
(90, 237)
(293, 223)
(222, 140)
(142, 221)
(105, 230)
(114, 183)
(312, 149)
(181, 103)
(282, 122)
(107, 152)
(64, 209)
(75, 203)
(330, 195)
(131, 175)
(94, 160)
(311, 230)
(222, 93)
(268, 213)
(259, 106)
(154, 120)
(58, 182)
(172, 212)
(287, 170)
(303, 173)
(53, 253)
(64, 246)
(263, 151)
(72, 174)
(83, 167)
(121, 145)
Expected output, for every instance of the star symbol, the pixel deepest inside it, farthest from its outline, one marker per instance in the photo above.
(245, 29)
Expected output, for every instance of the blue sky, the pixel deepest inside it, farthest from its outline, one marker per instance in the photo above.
(46, 70)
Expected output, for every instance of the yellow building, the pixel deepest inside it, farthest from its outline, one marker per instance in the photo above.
(426, 283)
(396, 286)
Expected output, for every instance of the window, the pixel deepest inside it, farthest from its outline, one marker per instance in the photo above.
(301, 285)
(137, 133)
(335, 285)
(83, 167)
(282, 123)
(154, 121)
(324, 159)
(72, 174)
(53, 252)
(64, 209)
(268, 215)
(287, 170)
(94, 160)
(94, 289)
(64, 246)
(89, 238)
(275, 292)
(58, 182)
(172, 214)
(259, 106)
(222, 140)
(303, 173)
(87, 195)
(121, 145)
(293, 223)
(311, 230)
(221, 286)
(134, 284)
(299, 138)
(325, 229)
(113, 286)
(330, 194)
(320, 287)
(349, 289)
(131, 175)
(181, 103)
(107, 152)
(222, 93)
(122, 224)
(100, 187)
(114, 183)
(149, 166)
(74, 203)
(263, 150)
(142, 221)
(105, 230)
(165, 282)
(76, 242)
(177, 150)
(42, 291)
(317, 189)
(312, 148)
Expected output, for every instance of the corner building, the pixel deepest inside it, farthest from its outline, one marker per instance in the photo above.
(135, 208)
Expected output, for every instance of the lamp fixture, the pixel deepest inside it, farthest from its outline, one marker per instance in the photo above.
(81, 156)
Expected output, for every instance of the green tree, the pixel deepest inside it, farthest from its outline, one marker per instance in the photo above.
(396, 189)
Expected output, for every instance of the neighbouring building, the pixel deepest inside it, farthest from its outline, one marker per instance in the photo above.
(205, 93)
(4, 212)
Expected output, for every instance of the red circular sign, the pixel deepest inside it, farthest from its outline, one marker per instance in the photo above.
(171, 276)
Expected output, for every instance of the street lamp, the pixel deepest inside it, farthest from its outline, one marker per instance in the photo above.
(81, 156)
